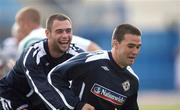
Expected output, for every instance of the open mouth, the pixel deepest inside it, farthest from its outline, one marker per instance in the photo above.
(64, 42)
(131, 57)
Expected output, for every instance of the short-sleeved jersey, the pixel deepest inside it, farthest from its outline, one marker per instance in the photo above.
(29, 75)
(105, 85)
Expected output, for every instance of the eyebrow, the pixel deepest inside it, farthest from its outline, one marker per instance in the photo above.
(134, 44)
(64, 29)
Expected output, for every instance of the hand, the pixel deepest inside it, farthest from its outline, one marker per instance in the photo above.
(88, 107)
(10, 63)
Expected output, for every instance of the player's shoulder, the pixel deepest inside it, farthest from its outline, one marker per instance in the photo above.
(34, 53)
(96, 55)
(91, 56)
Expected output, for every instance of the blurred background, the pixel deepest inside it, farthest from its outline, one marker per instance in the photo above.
(158, 65)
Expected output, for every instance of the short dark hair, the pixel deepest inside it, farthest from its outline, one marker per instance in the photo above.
(58, 16)
(123, 29)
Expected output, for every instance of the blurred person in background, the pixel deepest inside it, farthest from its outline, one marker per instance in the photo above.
(26, 85)
(28, 19)
(3, 65)
(109, 83)
(10, 45)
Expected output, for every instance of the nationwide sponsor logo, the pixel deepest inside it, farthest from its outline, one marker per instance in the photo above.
(108, 94)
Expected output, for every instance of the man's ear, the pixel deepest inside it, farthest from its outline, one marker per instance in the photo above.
(47, 32)
(115, 43)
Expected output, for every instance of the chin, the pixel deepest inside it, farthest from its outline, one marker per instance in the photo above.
(65, 49)
(130, 63)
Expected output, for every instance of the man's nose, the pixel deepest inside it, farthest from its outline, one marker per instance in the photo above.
(136, 50)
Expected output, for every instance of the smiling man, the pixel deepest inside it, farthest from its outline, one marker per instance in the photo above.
(26, 85)
(109, 83)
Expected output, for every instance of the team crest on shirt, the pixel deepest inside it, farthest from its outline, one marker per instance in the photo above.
(126, 85)
(108, 95)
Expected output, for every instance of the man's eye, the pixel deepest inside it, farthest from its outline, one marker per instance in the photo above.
(60, 31)
(68, 30)
(130, 46)
(138, 47)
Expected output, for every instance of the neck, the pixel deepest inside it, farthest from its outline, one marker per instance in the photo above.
(116, 59)
(55, 53)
